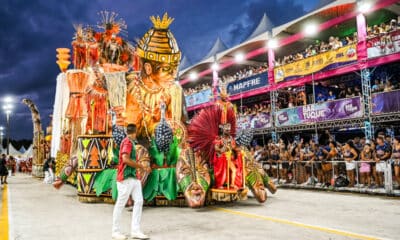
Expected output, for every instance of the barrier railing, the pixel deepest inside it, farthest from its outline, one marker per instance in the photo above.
(334, 175)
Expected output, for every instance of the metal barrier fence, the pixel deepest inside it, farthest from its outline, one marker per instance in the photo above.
(308, 174)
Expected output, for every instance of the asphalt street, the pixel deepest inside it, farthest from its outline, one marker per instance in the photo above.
(38, 211)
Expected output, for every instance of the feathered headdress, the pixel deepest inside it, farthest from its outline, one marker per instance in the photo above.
(204, 129)
(110, 22)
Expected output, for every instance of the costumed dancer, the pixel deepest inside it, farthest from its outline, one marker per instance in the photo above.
(227, 162)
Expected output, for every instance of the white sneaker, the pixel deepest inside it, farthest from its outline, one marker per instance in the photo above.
(139, 235)
(118, 236)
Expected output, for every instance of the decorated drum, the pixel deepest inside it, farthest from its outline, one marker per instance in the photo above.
(94, 154)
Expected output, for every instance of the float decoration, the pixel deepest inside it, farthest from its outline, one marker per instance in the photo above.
(113, 84)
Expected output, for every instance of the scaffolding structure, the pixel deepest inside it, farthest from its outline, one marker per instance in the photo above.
(366, 101)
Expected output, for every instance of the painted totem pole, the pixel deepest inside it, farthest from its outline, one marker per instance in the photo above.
(38, 140)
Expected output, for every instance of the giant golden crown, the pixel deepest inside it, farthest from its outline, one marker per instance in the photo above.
(159, 44)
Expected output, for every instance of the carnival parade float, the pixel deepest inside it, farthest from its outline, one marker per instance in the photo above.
(113, 83)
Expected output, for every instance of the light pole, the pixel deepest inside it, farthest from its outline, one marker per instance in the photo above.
(1, 136)
(7, 109)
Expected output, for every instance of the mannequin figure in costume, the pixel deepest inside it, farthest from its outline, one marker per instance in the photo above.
(227, 163)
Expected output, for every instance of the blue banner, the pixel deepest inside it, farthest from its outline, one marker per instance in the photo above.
(248, 84)
(201, 97)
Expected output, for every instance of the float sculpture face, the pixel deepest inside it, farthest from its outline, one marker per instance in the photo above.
(255, 177)
(193, 177)
(159, 56)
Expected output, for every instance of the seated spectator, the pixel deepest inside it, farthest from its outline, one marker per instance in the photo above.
(384, 28)
(299, 56)
(349, 41)
(388, 86)
(324, 47)
(377, 87)
(320, 98)
(291, 102)
(331, 42)
(392, 25)
(342, 93)
(308, 52)
(331, 96)
(370, 33)
(349, 92)
(357, 91)
(337, 44)
(301, 98)
(376, 30)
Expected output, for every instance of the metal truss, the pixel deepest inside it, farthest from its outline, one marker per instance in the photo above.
(386, 118)
(274, 100)
(366, 101)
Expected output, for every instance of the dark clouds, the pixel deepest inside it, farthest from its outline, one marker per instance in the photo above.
(31, 31)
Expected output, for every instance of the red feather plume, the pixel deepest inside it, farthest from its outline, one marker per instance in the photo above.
(204, 128)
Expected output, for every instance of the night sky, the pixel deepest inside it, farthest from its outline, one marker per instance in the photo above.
(30, 31)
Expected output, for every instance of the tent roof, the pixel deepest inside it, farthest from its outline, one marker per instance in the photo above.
(12, 150)
(218, 47)
(29, 151)
(22, 149)
(265, 25)
(185, 63)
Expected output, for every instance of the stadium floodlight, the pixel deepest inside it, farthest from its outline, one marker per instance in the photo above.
(272, 43)
(215, 66)
(7, 107)
(364, 6)
(239, 57)
(8, 99)
(311, 29)
(193, 76)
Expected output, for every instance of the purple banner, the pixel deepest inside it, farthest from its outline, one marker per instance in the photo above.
(386, 102)
(259, 120)
(326, 111)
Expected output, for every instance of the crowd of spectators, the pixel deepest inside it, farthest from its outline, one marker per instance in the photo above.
(243, 73)
(334, 43)
(382, 29)
(384, 86)
(355, 163)
(254, 109)
(198, 88)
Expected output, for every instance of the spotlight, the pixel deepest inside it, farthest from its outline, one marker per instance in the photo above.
(239, 57)
(364, 6)
(215, 66)
(311, 29)
(193, 76)
(272, 43)
(8, 99)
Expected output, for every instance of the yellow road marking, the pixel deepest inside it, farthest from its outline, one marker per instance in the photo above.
(4, 215)
(297, 224)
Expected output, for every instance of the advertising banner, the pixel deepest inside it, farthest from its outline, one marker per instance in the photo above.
(326, 111)
(386, 102)
(324, 61)
(259, 120)
(384, 45)
(201, 97)
(248, 84)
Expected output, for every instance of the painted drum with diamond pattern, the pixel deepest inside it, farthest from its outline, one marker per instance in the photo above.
(94, 155)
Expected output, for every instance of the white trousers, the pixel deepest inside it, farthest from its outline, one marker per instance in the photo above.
(128, 187)
(48, 176)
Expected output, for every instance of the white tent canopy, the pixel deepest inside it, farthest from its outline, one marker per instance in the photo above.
(29, 152)
(22, 150)
(12, 151)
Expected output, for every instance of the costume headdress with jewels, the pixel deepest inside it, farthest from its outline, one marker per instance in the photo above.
(159, 44)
